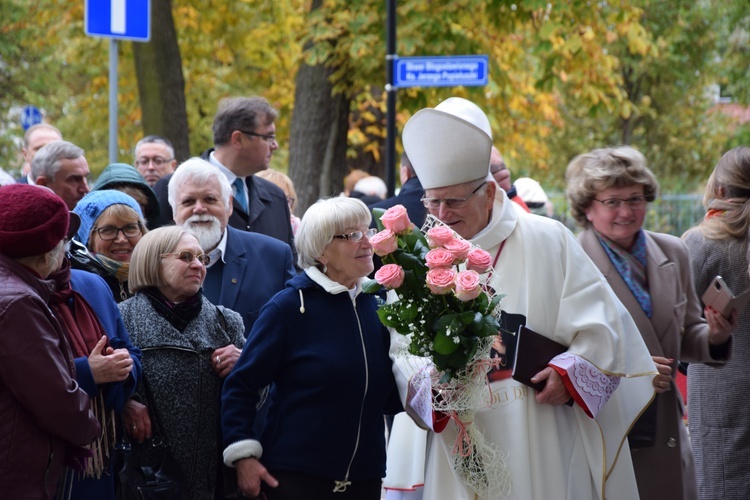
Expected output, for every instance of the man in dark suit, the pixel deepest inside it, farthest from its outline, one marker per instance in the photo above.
(246, 269)
(410, 195)
(244, 141)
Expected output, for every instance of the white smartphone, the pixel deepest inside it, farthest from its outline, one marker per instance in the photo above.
(720, 297)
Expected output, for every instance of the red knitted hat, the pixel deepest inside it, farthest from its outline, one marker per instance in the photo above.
(33, 220)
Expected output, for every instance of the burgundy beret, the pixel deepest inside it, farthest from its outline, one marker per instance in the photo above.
(33, 220)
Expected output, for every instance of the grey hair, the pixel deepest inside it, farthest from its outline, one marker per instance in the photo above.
(591, 173)
(324, 219)
(241, 113)
(47, 160)
(153, 139)
(199, 171)
(372, 186)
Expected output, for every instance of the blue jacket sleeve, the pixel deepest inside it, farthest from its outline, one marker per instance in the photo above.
(99, 296)
(256, 368)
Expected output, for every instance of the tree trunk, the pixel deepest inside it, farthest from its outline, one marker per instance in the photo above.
(161, 85)
(319, 127)
(318, 134)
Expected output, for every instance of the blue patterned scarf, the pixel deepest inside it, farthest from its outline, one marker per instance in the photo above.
(631, 266)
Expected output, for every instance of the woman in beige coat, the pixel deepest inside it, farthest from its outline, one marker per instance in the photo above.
(609, 191)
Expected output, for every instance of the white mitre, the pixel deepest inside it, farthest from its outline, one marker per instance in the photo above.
(449, 144)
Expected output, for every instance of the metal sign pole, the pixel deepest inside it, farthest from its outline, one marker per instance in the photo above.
(390, 118)
(112, 100)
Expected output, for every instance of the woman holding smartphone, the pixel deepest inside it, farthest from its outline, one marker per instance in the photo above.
(718, 246)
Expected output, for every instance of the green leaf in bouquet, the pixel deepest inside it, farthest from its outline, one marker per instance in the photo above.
(388, 315)
(481, 302)
(495, 301)
(412, 282)
(407, 260)
(457, 360)
(444, 343)
(407, 311)
(488, 326)
(377, 213)
(467, 317)
(371, 286)
(446, 321)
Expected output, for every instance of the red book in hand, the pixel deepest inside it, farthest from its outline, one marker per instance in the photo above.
(533, 353)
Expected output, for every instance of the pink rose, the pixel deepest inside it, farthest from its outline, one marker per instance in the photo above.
(390, 276)
(467, 285)
(439, 257)
(396, 219)
(441, 280)
(440, 235)
(478, 260)
(459, 248)
(384, 242)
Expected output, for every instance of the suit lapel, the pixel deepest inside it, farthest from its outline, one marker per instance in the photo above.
(594, 249)
(662, 278)
(234, 271)
(255, 204)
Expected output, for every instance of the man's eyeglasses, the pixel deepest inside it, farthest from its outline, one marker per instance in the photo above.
(270, 139)
(109, 233)
(158, 161)
(634, 203)
(434, 203)
(187, 257)
(356, 236)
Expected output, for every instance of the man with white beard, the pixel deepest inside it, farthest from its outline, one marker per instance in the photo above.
(246, 269)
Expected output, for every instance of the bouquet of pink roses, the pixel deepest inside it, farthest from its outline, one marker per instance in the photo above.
(438, 277)
(445, 313)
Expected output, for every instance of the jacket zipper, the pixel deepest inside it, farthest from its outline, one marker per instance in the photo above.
(340, 486)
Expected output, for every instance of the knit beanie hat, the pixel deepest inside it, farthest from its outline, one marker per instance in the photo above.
(33, 221)
(94, 203)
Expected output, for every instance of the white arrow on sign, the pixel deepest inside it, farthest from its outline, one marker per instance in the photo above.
(117, 16)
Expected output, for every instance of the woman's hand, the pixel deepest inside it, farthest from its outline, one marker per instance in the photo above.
(136, 420)
(109, 365)
(720, 328)
(663, 381)
(224, 358)
(250, 472)
(554, 392)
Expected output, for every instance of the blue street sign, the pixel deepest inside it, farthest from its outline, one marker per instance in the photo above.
(30, 116)
(121, 19)
(441, 71)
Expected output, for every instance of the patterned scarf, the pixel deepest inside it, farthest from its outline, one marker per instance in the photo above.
(83, 331)
(179, 315)
(631, 266)
(119, 270)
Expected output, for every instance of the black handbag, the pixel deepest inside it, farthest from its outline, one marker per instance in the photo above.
(162, 480)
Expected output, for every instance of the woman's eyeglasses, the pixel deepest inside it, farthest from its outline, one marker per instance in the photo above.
(356, 236)
(109, 233)
(187, 257)
(634, 203)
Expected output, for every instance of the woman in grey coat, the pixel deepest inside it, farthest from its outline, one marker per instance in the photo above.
(717, 399)
(189, 346)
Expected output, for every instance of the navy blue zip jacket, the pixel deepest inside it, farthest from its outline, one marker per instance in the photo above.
(326, 358)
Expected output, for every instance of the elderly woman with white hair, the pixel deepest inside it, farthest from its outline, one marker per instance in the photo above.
(320, 346)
